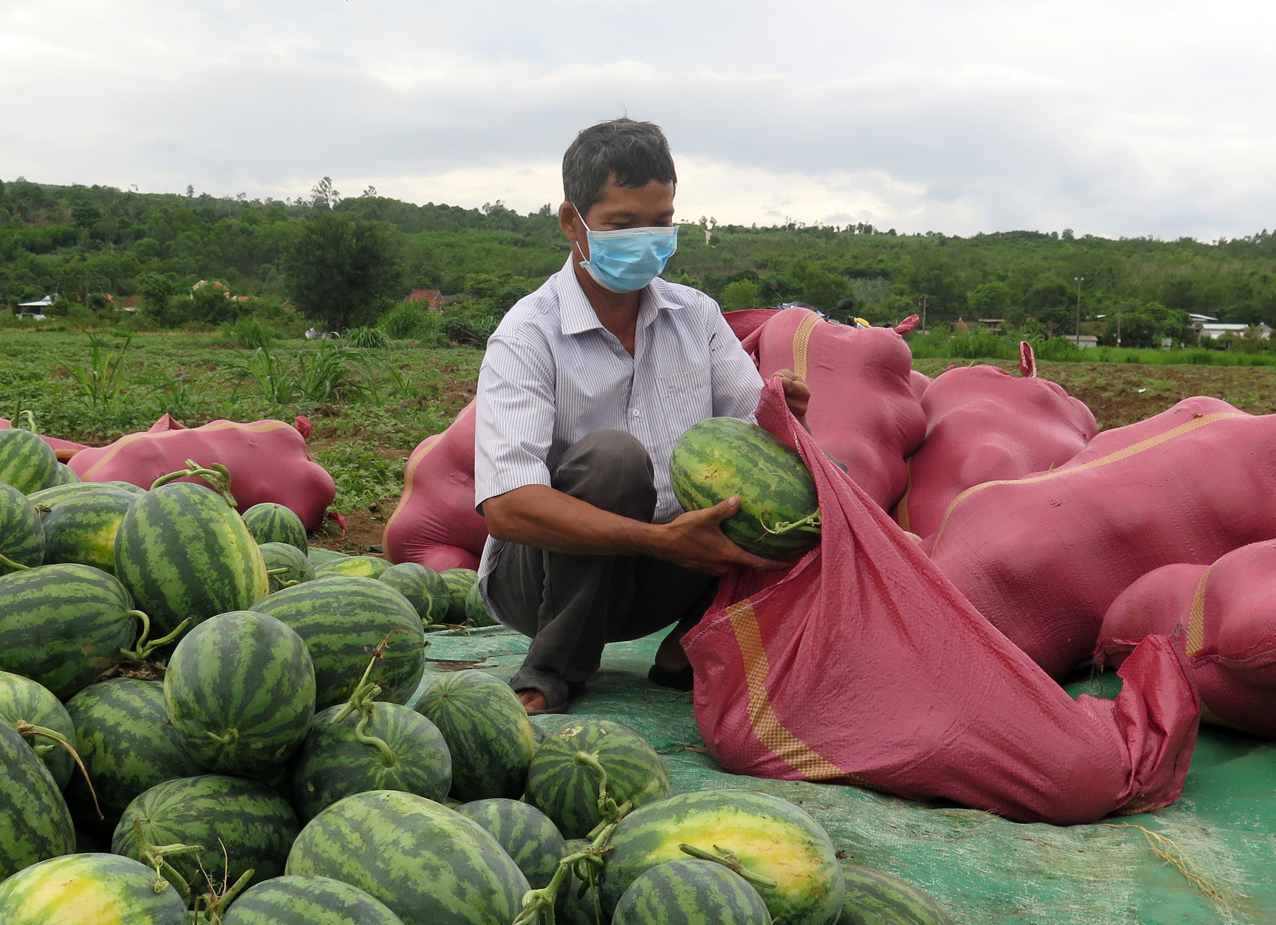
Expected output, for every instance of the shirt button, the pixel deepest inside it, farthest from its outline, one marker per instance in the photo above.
(636, 413)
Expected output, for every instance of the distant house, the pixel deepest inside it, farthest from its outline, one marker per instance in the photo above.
(992, 324)
(1222, 330)
(432, 297)
(132, 303)
(1083, 342)
(37, 305)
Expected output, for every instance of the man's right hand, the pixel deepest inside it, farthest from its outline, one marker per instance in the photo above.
(695, 540)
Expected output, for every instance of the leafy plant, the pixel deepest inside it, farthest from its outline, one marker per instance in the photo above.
(101, 382)
(367, 338)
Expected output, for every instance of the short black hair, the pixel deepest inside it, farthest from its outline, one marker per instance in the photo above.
(634, 152)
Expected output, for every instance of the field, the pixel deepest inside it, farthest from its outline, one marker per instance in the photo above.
(370, 407)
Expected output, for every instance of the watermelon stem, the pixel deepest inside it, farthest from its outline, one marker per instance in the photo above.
(808, 524)
(11, 565)
(213, 901)
(144, 648)
(30, 730)
(218, 477)
(30, 419)
(361, 701)
(153, 856)
(729, 860)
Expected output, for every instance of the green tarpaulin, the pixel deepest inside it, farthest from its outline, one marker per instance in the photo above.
(983, 869)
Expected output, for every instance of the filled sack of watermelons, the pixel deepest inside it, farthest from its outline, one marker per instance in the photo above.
(1229, 612)
(1043, 557)
(984, 424)
(63, 449)
(862, 664)
(863, 410)
(435, 523)
(267, 462)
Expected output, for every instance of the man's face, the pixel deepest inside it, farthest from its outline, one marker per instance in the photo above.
(620, 207)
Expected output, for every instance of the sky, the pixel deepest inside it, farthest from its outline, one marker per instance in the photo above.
(1109, 117)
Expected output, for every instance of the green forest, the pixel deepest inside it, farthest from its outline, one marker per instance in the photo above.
(350, 262)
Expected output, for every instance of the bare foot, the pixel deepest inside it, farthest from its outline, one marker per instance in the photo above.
(533, 700)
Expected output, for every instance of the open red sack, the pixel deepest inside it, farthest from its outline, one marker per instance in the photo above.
(985, 424)
(267, 462)
(863, 665)
(864, 411)
(64, 449)
(435, 523)
(1229, 611)
(1043, 557)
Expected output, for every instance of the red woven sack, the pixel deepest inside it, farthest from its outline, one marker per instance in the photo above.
(863, 411)
(985, 424)
(1229, 610)
(267, 462)
(64, 449)
(863, 665)
(435, 523)
(1043, 557)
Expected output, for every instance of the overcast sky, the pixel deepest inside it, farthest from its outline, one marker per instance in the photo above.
(1111, 117)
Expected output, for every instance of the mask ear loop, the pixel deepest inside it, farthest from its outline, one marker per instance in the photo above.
(584, 260)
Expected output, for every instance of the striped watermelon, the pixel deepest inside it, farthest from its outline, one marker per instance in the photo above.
(63, 625)
(874, 897)
(21, 531)
(240, 689)
(184, 553)
(333, 763)
(48, 496)
(423, 588)
(690, 892)
(298, 900)
(487, 731)
(26, 462)
(427, 863)
(62, 475)
(82, 527)
(318, 555)
(528, 836)
(770, 836)
(458, 582)
(779, 510)
(475, 609)
(342, 620)
(127, 746)
(568, 791)
(353, 567)
(285, 565)
(24, 701)
(269, 522)
(34, 821)
(255, 825)
(89, 889)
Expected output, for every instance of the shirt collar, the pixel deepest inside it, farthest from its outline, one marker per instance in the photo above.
(577, 316)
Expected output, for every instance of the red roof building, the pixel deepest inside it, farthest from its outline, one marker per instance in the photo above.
(430, 296)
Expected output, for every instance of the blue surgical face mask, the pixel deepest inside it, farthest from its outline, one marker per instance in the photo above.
(627, 259)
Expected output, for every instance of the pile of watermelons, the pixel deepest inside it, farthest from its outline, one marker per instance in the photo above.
(274, 776)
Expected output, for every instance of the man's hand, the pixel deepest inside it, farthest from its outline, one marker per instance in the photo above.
(695, 540)
(797, 395)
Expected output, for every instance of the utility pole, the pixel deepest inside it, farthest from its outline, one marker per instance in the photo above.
(1118, 325)
(922, 300)
(1078, 280)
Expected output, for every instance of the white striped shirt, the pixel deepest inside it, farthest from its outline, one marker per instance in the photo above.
(552, 373)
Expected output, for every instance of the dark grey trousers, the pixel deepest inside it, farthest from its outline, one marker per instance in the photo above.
(572, 605)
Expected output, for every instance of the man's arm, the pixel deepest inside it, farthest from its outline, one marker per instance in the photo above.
(541, 516)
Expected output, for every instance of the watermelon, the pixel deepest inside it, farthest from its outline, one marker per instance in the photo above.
(874, 897)
(34, 821)
(318, 555)
(240, 689)
(568, 791)
(353, 567)
(269, 522)
(487, 731)
(21, 531)
(49, 496)
(422, 586)
(475, 609)
(779, 510)
(89, 889)
(63, 625)
(255, 825)
(24, 701)
(62, 475)
(770, 837)
(458, 582)
(26, 462)
(332, 762)
(342, 619)
(82, 527)
(528, 836)
(691, 892)
(285, 565)
(427, 863)
(184, 553)
(127, 746)
(298, 900)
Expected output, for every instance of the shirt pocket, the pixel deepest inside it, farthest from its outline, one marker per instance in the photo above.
(686, 385)
(685, 399)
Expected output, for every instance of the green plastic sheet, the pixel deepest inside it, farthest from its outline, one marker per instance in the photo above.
(983, 869)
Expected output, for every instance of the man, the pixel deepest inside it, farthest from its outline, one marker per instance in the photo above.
(585, 387)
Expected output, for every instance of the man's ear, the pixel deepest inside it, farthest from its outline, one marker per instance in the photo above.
(568, 221)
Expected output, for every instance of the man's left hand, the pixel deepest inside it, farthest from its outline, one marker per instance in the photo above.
(797, 395)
